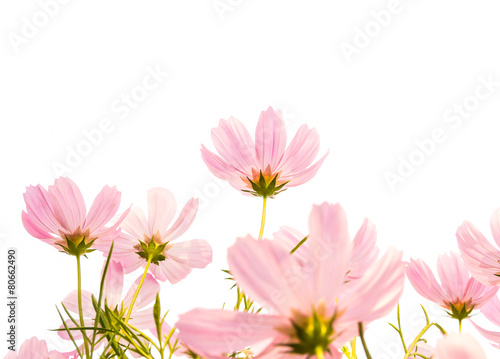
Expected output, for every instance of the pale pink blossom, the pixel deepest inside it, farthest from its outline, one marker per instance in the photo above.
(37, 349)
(59, 215)
(364, 247)
(142, 313)
(458, 292)
(297, 297)
(458, 346)
(178, 258)
(480, 256)
(242, 160)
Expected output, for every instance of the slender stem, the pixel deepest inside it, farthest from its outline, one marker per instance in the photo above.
(460, 326)
(365, 347)
(419, 336)
(134, 298)
(263, 220)
(80, 306)
(319, 353)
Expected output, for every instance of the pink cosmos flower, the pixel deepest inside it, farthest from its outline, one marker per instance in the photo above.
(36, 349)
(458, 292)
(59, 217)
(458, 346)
(307, 304)
(364, 248)
(251, 167)
(152, 236)
(480, 256)
(141, 317)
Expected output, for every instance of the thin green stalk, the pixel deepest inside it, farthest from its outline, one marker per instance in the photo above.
(263, 220)
(134, 298)
(365, 347)
(80, 306)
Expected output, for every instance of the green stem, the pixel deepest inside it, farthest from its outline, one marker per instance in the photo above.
(80, 306)
(134, 298)
(460, 326)
(365, 347)
(263, 220)
(419, 336)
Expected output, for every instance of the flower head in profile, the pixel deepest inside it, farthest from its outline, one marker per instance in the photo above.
(480, 256)
(150, 241)
(309, 309)
(37, 349)
(58, 216)
(458, 292)
(267, 166)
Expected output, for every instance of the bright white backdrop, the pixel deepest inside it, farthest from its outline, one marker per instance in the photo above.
(378, 79)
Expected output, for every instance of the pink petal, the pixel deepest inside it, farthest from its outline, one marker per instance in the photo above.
(161, 209)
(495, 226)
(478, 293)
(491, 310)
(266, 272)
(365, 251)
(39, 210)
(186, 218)
(71, 303)
(329, 250)
(270, 138)
(196, 253)
(458, 346)
(289, 238)
(213, 333)
(453, 274)
(136, 224)
(170, 270)
(424, 282)
(147, 294)
(296, 179)
(234, 144)
(103, 208)
(301, 152)
(478, 254)
(67, 203)
(113, 284)
(222, 169)
(31, 226)
(378, 291)
(33, 349)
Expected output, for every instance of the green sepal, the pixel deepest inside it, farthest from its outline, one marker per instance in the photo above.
(153, 251)
(264, 189)
(79, 249)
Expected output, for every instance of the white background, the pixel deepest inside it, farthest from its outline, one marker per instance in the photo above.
(401, 84)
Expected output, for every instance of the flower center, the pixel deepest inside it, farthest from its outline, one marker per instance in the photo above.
(311, 334)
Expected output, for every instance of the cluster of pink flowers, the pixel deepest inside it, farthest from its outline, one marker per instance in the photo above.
(303, 296)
